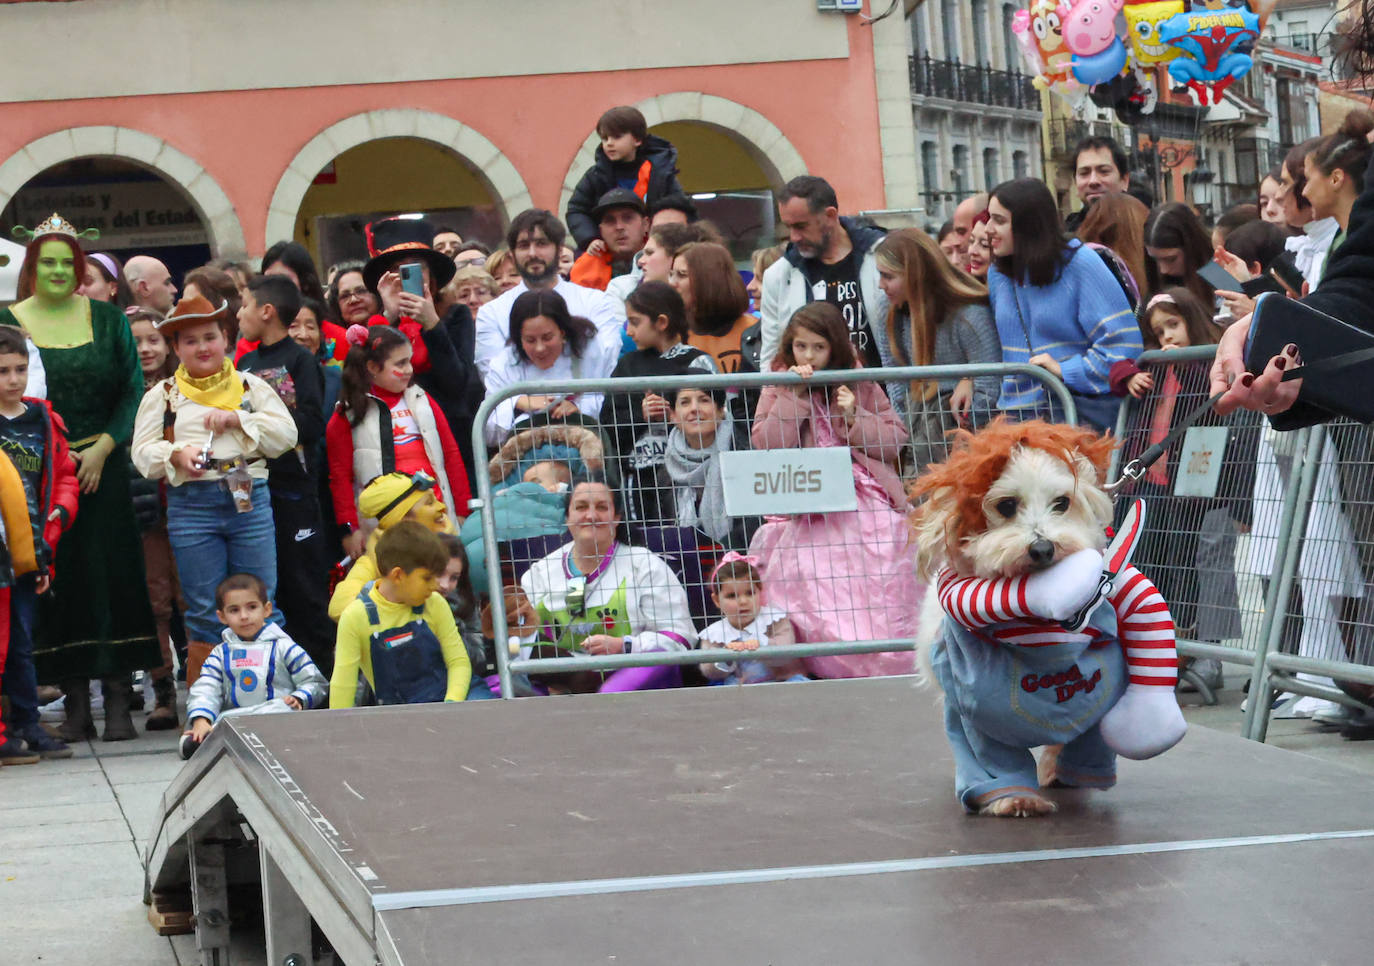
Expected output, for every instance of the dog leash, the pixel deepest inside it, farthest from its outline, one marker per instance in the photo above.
(1136, 468)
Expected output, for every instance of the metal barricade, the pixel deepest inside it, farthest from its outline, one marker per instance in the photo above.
(638, 443)
(1262, 542)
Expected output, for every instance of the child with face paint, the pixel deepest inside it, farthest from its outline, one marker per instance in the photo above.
(94, 383)
(385, 424)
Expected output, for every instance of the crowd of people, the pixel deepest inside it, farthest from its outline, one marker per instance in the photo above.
(182, 465)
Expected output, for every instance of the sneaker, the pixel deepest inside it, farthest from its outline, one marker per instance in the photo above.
(46, 746)
(187, 747)
(54, 712)
(1337, 717)
(1287, 708)
(12, 752)
(1308, 706)
(1207, 668)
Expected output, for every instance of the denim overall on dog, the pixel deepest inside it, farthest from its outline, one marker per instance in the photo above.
(1003, 699)
(407, 661)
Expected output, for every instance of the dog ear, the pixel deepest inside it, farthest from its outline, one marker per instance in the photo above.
(933, 524)
(1090, 490)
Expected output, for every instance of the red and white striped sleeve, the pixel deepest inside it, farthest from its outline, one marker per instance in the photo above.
(976, 602)
(1147, 630)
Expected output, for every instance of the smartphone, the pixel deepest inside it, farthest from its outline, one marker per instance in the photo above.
(412, 280)
(1285, 270)
(1214, 275)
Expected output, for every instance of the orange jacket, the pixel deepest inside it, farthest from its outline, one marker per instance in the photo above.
(592, 271)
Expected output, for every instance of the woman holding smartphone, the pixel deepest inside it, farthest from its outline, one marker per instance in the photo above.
(406, 274)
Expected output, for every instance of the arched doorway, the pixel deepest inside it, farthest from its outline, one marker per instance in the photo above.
(731, 159)
(480, 175)
(392, 176)
(137, 210)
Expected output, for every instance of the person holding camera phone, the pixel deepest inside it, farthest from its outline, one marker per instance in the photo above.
(407, 274)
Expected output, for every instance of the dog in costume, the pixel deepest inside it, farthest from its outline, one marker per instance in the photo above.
(1010, 532)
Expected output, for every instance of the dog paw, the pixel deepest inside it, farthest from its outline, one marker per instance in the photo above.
(1019, 806)
(1047, 768)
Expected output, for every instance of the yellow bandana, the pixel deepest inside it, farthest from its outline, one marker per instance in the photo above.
(223, 390)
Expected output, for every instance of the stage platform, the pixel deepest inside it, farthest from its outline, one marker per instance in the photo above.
(790, 824)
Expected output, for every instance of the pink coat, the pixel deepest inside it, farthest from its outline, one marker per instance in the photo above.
(784, 420)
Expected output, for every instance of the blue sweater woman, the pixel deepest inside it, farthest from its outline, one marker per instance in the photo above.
(1082, 319)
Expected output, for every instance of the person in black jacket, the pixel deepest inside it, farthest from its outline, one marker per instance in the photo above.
(1346, 292)
(629, 157)
(269, 307)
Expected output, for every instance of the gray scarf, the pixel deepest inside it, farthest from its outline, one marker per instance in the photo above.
(697, 471)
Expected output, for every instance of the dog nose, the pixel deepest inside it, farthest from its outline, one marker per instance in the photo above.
(1041, 552)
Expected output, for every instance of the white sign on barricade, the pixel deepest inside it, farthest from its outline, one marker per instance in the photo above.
(788, 481)
(1199, 462)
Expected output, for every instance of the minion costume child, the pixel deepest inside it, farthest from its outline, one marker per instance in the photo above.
(389, 499)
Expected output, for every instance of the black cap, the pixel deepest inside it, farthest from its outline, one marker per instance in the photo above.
(618, 198)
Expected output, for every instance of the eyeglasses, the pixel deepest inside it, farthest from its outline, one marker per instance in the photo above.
(354, 293)
(477, 260)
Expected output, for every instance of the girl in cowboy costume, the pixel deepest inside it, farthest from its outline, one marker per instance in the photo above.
(209, 431)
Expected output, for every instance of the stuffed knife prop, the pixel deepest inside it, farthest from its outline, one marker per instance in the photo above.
(1114, 561)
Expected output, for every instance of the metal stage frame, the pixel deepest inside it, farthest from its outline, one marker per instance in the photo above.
(790, 824)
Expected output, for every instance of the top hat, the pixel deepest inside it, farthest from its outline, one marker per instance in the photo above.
(394, 240)
(192, 311)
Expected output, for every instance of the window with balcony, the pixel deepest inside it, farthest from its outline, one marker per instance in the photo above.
(1011, 49)
(960, 173)
(951, 16)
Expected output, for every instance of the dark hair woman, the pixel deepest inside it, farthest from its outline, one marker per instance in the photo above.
(1057, 306)
(638, 421)
(293, 260)
(547, 342)
(1177, 246)
(705, 276)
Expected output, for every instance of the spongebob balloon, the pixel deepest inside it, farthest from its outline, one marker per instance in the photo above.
(1142, 30)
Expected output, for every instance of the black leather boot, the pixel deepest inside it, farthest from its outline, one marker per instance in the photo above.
(163, 717)
(119, 726)
(78, 726)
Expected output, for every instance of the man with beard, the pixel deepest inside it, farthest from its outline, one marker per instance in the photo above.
(535, 238)
(624, 225)
(828, 259)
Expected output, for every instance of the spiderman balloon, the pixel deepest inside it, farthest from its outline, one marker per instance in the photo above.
(1213, 44)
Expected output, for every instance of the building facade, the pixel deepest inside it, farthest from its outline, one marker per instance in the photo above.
(977, 116)
(223, 126)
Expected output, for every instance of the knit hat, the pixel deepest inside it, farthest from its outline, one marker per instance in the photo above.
(389, 498)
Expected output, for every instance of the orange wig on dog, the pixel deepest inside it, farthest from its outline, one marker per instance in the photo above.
(976, 460)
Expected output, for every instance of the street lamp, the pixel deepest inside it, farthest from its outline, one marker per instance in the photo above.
(1200, 185)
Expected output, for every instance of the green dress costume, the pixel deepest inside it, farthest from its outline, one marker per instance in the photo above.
(97, 621)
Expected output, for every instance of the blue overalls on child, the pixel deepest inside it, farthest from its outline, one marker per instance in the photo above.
(407, 661)
(1002, 699)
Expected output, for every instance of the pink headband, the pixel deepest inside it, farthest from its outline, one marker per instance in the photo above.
(733, 557)
(107, 262)
(1162, 297)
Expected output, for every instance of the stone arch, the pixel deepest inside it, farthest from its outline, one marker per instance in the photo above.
(763, 139)
(502, 179)
(216, 211)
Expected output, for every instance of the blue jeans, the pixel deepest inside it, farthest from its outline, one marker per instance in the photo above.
(21, 683)
(212, 540)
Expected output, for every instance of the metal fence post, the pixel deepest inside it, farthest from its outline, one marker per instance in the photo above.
(1297, 504)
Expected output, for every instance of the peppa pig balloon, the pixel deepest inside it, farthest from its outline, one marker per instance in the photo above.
(1090, 33)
